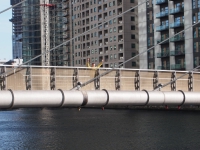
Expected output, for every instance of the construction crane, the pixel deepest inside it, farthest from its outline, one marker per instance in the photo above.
(45, 33)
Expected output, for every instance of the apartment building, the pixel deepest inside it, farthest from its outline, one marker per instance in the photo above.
(113, 39)
(163, 19)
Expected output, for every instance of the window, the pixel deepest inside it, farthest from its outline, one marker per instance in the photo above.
(110, 39)
(132, 18)
(134, 64)
(131, 1)
(111, 56)
(110, 30)
(114, 29)
(114, 38)
(115, 47)
(132, 27)
(193, 4)
(132, 10)
(132, 36)
(133, 45)
(110, 22)
(115, 56)
(133, 54)
(111, 48)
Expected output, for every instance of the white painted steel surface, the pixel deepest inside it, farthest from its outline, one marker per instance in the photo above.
(174, 98)
(72, 99)
(59, 98)
(37, 99)
(192, 98)
(156, 98)
(96, 98)
(127, 98)
(5, 99)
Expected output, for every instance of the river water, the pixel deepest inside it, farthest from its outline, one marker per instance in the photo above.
(95, 129)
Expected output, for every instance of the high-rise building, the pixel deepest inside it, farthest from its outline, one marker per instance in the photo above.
(161, 19)
(44, 24)
(16, 29)
(114, 39)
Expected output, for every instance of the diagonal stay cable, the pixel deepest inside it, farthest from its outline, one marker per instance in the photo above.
(91, 80)
(12, 7)
(162, 86)
(3, 74)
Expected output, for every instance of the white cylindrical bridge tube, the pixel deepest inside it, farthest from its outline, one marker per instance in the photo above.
(99, 98)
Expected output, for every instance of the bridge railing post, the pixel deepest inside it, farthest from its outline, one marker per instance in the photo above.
(117, 80)
(75, 77)
(190, 81)
(28, 78)
(155, 80)
(137, 80)
(97, 81)
(173, 84)
(3, 78)
(53, 78)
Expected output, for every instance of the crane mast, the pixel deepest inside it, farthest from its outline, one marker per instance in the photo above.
(45, 33)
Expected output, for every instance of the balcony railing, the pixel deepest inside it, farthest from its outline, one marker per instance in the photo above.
(177, 66)
(161, 14)
(177, 52)
(176, 10)
(177, 38)
(163, 54)
(161, 28)
(162, 39)
(176, 24)
(158, 2)
(163, 67)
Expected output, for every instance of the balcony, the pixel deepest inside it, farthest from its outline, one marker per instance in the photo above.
(161, 14)
(176, 10)
(178, 67)
(159, 2)
(177, 38)
(64, 6)
(163, 67)
(65, 14)
(177, 52)
(162, 39)
(163, 54)
(162, 28)
(176, 24)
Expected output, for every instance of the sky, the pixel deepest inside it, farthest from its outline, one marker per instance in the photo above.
(5, 31)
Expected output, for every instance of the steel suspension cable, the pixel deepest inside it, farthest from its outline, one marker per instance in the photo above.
(12, 7)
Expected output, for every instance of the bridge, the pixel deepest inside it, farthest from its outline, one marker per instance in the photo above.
(50, 86)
